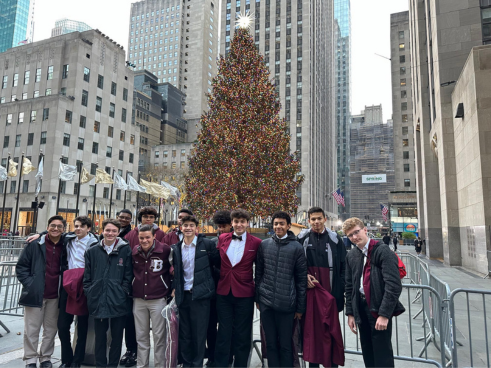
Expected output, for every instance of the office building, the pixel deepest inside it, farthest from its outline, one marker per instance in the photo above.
(64, 26)
(68, 97)
(450, 184)
(14, 23)
(342, 19)
(371, 164)
(178, 42)
(296, 39)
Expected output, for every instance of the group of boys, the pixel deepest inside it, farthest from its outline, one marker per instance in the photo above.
(128, 276)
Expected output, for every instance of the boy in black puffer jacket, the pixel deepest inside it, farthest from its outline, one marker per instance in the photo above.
(281, 284)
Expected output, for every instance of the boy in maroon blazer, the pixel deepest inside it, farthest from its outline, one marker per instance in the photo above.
(236, 291)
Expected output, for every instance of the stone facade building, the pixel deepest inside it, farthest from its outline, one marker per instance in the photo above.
(69, 96)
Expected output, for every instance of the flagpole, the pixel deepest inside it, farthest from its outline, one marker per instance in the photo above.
(18, 193)
(59, 192)
(5, 194)
(124, 203)
(93, 204)
(79, 168)
(36, 200)
(138, 193)
(111, 196)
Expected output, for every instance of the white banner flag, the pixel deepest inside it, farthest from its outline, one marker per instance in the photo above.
(119, 182)
(134, 186)
(39, 176)
(3, 173)
(67, 172)
(173, 190)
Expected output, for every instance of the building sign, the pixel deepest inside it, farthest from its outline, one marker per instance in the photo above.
(408, 197)
(378, 178)
(410, 228)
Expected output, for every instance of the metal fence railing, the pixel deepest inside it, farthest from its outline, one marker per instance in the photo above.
(10, 289)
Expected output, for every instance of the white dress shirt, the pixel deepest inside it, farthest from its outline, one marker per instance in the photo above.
(76, 250)
(284, 237)
(235, 250)
(365, 253)
(108, 248)
(188, 256)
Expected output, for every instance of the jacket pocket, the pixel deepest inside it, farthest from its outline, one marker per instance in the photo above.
(93, 294)
(164, 282)
(115, 293)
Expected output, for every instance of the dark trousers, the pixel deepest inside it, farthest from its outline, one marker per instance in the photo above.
(130, 333)
(376, 346)
(235, 317)
(193, 325)
(64, 323)
(100, 328)
(278, 327)
(211, 334)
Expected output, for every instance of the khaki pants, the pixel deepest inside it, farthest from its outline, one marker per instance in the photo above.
(145, 311)
(34, 318)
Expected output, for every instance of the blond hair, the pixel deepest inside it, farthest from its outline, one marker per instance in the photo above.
(351, 223)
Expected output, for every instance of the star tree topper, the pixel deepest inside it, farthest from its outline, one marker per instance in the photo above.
(244, 20)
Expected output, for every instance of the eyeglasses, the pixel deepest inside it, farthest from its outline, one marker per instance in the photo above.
(53, 226)
(124, 218)
(354, 233)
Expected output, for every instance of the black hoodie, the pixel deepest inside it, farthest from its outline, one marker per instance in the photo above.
(281, 274)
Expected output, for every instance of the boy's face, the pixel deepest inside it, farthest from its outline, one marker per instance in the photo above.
(110, 233)
(148, 219)
(358, 236)
(280, 227)
(240, 225)
(124, 219)
(317, 221)
(180, 216)
(224, 228)
(146, 239)
(55, 229)
(81, 230)
(188, 229)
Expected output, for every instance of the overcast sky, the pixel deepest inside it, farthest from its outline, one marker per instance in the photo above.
(371, 79)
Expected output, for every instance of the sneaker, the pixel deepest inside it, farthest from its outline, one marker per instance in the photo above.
(46, 364)
(125, 357)
(131, 361)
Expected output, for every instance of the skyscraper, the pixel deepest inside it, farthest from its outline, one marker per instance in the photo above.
(178, 42)
(295, 38)
(342, 23)
(14, 21)
(64, 26)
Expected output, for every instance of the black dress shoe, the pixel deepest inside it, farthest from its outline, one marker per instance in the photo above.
(64, 365)
(125, 357)
(46, 364)
(31, 365)
(131, 362)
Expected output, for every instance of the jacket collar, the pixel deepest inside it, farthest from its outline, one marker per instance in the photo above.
(291, 237)
(120, 243)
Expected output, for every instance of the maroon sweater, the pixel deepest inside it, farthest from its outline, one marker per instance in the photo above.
(53, 261)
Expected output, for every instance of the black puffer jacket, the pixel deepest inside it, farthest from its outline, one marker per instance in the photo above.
(206, 257)
(107, 280)
(281, 274)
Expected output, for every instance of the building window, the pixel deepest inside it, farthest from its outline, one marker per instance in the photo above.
(401, 35)
(27, 74)
(38, 75)
(486, 24)
(122, 136)
(98, 104)
(405, 142)
(66, 139)
(47, 92)
(97, 127)
(123, 115)
(95, 147)
(109, 151)
(30, 139)
(9, 119)
(5, 81)
(110, 131)
(157, 153)
(183, 164)
(75, 188)
(15, 82)
(33, 116)
(100, 81)
(174, 165)
(85, 97)
(125, 94)
(132, 139)
(405, 155)
(403, 82)
(35, 94)
(118, 194)
(113, 88)
(405, 130)
(50, 72)
(402, 59)
(93, 169)
(80, 145)
(68, 117)
(13, 186)
(403, 70)
(401, 46)
(121, 155)
(183, 152)
(174, 153)
(112, 109)
(403, 94)
(91, 189)
(64, 75)
(406, 167)
(407, 182)
(404, 118)
(45, 114)
(403, 106)
(21, 118)
(18, 138)
(83, 121)
(105, 193)
(6, 140)
(25, 186)
(131, 158)
(43, 137)
(86, 74)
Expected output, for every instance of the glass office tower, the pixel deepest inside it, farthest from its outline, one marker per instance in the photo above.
(13, 23)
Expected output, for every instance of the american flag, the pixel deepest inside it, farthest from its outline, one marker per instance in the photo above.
(385, 211)
(23, 42)
(339, 196)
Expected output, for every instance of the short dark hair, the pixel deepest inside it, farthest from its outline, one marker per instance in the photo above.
(147, 211)
(282, 215)
(240, 214)
(316, 210)
(185, 210)
(147, 228)
(84, 220)
(125, 211)
(190, 218)
(222, 217)
(112, 222)
(57, 217)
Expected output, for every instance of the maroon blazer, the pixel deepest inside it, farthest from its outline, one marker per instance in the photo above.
(76, 303)
(238, 279)
(132, 237)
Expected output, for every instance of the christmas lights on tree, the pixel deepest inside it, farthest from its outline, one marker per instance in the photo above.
(242, 158)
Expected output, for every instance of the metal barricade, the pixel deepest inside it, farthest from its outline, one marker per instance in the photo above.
(10, 249)
(478, 354)
(10, 290)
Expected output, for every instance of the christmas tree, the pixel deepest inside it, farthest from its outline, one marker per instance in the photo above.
(242, 158)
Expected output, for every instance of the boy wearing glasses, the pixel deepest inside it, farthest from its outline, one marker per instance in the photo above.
(373, 287)
(39, 270)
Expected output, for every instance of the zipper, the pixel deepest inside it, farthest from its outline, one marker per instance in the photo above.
(276, 272)
(163, 281)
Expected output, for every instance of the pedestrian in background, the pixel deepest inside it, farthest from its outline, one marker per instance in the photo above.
(395, 241)
(417, 246)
